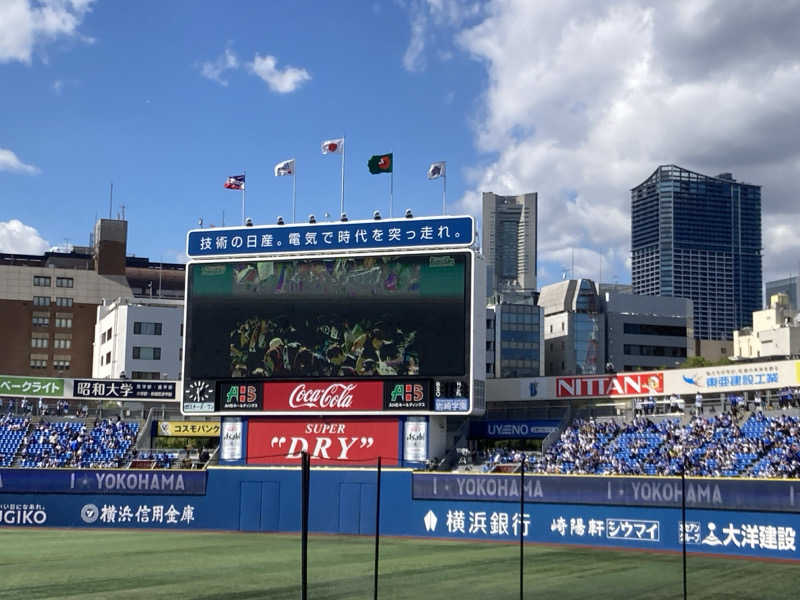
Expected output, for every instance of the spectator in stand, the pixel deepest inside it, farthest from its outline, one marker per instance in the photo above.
(698, 404)
(757, 401)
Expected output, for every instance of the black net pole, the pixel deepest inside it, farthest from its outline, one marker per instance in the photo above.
(377, 530)
(304, 478)
(683, 520)
(521, 528)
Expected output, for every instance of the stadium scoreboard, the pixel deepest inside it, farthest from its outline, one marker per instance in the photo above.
(362, 318)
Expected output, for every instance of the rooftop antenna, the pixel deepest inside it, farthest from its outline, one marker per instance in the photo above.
(572, 264)
(110, 199)
(123, 212)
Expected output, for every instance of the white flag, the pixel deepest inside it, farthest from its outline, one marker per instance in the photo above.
(285, 168)
(333, 146)
(436, 170)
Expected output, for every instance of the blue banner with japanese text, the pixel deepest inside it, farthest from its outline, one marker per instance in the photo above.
(332, 236)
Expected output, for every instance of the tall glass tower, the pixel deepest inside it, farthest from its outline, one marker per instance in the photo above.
(699, 237)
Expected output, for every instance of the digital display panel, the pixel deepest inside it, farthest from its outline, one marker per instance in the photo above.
(352, 317)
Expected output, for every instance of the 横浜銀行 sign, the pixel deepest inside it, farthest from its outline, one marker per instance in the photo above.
(335, 236)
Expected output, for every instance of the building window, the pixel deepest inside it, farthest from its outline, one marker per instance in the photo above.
(38, 363)
(144, 328)
(39, 342)
(64, 282)
(108, 357)
(61, 364)
(67, 302)
(62, 344)
(108, 334)
(146, 353)
(145, 375)
(41, 281)
(41, 320)
(64, 322)
(41, 300)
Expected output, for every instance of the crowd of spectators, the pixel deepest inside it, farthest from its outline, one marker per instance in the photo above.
(718, 446)
(73, 444)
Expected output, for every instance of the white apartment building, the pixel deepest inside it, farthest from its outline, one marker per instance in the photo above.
(138, 338)
(775, 332)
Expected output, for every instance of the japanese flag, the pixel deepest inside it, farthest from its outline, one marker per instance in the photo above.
(333, 146)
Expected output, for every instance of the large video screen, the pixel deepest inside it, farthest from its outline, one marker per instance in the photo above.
(346, 317)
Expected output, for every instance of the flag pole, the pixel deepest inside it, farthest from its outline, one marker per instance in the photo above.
(444, 192)
(294, 176)
(391, 189)
(244, 188)
(341, 201)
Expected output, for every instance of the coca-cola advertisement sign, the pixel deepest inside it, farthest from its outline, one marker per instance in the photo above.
(329, 440)
(323, 396)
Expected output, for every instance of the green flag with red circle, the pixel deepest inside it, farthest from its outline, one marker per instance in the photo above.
(380, 163)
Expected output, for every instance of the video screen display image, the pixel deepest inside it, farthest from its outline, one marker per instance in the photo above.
(346, 317)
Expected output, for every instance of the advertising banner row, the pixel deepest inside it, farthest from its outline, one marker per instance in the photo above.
(685, 382)
(89, 389)
(727, 494)
(343, 501)
(291, 397)
(106, 481)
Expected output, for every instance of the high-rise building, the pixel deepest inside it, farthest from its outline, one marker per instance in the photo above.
(699, 237)
(789, 286)
(509, 242)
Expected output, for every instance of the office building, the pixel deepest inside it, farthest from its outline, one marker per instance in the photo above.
(574, 328)
(699, 237)
(647, 332)
(48, 302)
(509, 242)
(138, 338)
(789, 286)
(514, 340)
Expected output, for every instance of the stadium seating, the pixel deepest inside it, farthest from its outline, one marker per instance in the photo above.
(71, 443)
(760, 447)
(12, 431)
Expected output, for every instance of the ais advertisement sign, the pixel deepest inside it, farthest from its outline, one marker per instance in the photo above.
(412, 395)
(329, 441)
(316, 396)
(239, 396)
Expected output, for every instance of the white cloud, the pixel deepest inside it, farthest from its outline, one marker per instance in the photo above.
(24, 24)
(10, 162)
(18, 238)
(215, 69)
(281, 81)
(425, 14)
(585, 100)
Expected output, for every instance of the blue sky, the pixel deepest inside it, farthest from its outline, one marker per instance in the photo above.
(166, 99)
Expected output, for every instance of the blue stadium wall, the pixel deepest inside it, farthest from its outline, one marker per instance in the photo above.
(621, 512)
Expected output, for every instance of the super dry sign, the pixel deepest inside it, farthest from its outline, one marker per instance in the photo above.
(622, 384)
(329, 441)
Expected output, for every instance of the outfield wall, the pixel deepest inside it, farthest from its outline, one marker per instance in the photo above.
(343, 501)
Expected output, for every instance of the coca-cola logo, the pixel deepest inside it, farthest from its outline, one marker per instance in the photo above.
(335, 395)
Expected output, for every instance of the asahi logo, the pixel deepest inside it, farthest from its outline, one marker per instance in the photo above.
(335, 395)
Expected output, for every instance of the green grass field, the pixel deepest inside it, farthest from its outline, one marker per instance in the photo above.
(154, 564)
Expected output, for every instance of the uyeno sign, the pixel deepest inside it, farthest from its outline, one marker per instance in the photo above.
(623, 384)
(316, 396)
(329, 441)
